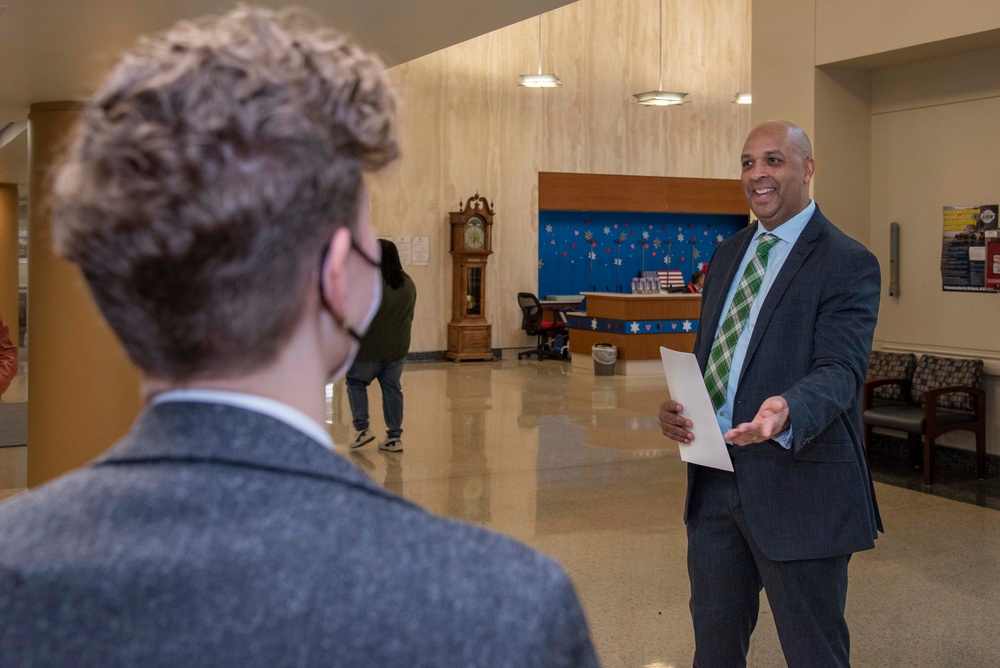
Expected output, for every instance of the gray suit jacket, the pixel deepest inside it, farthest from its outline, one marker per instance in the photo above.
(215, 536)
(810, 344)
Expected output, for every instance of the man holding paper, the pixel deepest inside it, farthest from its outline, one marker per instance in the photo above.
(788, 314)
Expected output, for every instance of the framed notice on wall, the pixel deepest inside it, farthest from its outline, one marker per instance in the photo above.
(413, 251)
(963, 247)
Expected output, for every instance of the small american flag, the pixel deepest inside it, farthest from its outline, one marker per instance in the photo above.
(670, 278)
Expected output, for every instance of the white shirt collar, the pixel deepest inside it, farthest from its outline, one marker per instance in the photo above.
(292, 417)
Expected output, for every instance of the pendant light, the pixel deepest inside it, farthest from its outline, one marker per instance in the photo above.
(660, 97)
(539, 80)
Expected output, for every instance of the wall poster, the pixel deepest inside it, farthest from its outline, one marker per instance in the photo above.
(963, 247)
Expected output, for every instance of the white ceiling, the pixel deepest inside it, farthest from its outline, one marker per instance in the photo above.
(60, 49)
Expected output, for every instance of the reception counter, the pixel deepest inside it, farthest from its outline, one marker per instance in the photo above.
(637, 324)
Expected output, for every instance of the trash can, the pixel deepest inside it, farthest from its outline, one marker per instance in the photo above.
(605, 355)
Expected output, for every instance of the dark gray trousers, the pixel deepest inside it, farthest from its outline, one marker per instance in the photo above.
(727, 572)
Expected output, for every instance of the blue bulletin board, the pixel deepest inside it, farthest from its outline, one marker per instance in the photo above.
(581, 251)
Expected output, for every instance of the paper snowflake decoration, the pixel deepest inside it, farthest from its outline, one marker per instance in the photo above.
(645, 235)
(607, 230)
(656, 243)
(540, 264)
(696, 253)
(588, 235)
(680, 237)
(548, 228)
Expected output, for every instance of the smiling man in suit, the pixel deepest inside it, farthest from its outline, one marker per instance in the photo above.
(214, 201)
(788, 314)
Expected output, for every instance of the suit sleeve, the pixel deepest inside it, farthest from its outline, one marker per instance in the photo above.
(842, 341)
(8, 357)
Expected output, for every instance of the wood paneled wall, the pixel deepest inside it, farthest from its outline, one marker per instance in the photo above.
(466, 126)
(653, 194)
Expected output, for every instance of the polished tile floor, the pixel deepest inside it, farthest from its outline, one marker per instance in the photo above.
(575, 466)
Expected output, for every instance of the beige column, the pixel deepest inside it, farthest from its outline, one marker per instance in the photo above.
(83, 393)
(8, 258)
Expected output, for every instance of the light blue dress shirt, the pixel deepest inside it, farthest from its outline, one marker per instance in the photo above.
(787, 233)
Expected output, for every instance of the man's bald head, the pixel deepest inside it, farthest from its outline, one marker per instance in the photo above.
(777, 166)
(794, 135)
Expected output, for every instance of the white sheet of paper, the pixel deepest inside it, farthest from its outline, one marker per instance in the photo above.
(421, 251)
(404, 245)
(687, 387)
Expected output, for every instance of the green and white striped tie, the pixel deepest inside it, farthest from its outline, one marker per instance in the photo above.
(721, 357)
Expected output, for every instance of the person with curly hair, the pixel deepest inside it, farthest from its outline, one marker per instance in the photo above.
(214, 201)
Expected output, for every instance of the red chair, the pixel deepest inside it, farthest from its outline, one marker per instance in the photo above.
(532, 324)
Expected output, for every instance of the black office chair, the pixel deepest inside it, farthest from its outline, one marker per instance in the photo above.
(531, 323)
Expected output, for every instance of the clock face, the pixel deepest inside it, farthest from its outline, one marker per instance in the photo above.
(475, 233)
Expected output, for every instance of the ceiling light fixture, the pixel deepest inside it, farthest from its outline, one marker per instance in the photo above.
(539, 80)
(660, 97)
(743, 98)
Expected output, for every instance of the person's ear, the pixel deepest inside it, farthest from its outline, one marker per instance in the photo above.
(809, 168)
(333, 273)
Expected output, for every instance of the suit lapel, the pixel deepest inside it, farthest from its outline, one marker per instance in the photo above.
(796, 258)
(712, 304)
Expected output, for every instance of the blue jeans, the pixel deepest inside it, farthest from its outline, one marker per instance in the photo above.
(388, 373)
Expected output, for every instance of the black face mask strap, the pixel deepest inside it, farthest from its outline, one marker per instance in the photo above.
(322, 291)
(342, 322)
(361, 251)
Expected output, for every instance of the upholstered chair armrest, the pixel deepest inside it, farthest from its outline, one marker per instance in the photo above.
(904, 384)
(931, 397)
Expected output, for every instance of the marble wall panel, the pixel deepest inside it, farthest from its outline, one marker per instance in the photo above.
(465, 126)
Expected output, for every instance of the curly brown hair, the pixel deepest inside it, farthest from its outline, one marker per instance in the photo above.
(205, 176)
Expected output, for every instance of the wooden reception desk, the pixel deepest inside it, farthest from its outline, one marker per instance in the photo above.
(637, 324)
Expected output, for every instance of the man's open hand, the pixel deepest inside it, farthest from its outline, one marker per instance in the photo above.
(771, 419)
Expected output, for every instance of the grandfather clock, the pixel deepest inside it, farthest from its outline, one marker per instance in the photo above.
(470, 337)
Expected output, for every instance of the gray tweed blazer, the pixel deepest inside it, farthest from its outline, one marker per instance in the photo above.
(216, 536)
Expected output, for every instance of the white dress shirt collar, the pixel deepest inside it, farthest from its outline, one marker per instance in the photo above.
(292, 417)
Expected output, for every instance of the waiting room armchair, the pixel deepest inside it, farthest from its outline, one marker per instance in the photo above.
(943, 394)
(532, 324)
